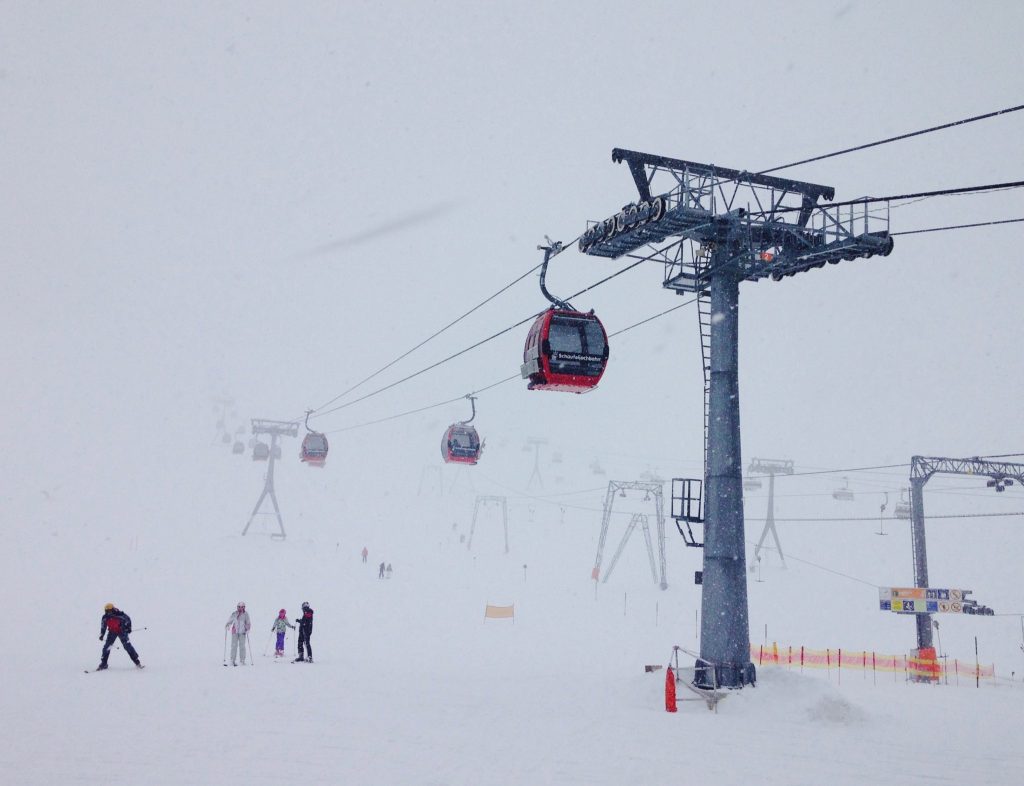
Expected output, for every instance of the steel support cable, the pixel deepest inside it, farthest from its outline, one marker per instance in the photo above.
(848, 469)
(480, 343)
(957, 226)
(875, 518)
(454, 322)
(427, 340)
(560, 249)
(502, 381)
(893, 197)
(955, 123)
(432, 366)
(422, 409)
(819, 567)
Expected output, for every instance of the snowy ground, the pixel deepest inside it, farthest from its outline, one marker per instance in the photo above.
(410, 684)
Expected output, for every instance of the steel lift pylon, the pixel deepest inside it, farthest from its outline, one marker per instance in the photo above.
(1000, 475)
(712, 228)
(771, 468)
(484, 500)
(617, 488)
(275, 429)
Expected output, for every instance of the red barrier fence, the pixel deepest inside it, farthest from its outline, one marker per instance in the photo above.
(921, 666)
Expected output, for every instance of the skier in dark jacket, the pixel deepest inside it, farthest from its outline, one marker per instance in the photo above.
(116, 625)
(305, 631)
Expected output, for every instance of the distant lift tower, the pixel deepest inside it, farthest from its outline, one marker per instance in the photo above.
(771, 468)
(275, 428)
(536, 443)
(1000, 475)
(618, 488)
(484, 501)
(711, 229)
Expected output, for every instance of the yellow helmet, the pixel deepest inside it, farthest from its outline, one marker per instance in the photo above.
(109, 607)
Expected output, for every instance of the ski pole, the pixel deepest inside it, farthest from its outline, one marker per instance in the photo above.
(252, 660)
(225, 646)
(269, 639)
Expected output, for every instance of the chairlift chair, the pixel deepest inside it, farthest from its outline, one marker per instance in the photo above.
(902, 509)
(751, 484)
(843, 494)
(461, 443)
(261, 451)
(238, 447)
(313, 451)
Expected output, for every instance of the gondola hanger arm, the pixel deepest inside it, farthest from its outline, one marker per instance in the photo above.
(553, 248)
(472, 402)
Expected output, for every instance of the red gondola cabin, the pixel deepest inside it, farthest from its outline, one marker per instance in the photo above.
(461, 444)
(314, 449)
(565, 351)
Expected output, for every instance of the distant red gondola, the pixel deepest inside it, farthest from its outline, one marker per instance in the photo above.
(565, 351)
(314, 446)
(461, 444)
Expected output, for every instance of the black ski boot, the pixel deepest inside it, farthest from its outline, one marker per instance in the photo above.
(299, 660)
(101, 667)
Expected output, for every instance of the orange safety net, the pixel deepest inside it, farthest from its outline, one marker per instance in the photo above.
(863, 660)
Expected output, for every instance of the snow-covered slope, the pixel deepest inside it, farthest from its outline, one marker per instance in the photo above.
(410, 684)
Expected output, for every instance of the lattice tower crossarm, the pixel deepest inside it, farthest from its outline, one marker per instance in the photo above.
(921, 470)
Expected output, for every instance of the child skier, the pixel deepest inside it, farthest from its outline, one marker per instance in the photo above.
(279, 627)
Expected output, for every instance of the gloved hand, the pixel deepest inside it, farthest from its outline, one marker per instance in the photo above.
(101, 637)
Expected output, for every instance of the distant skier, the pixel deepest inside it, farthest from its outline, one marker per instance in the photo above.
(279, 627)
(380, 573)
(115, 624)
(389, 570)
(239, 624)
(305, 631)
(365, 553)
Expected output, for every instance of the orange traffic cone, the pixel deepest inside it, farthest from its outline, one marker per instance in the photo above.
(670, 690)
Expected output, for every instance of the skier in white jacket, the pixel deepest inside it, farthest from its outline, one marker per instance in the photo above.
(239, 625)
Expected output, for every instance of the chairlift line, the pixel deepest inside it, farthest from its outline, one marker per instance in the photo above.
(909, 135)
